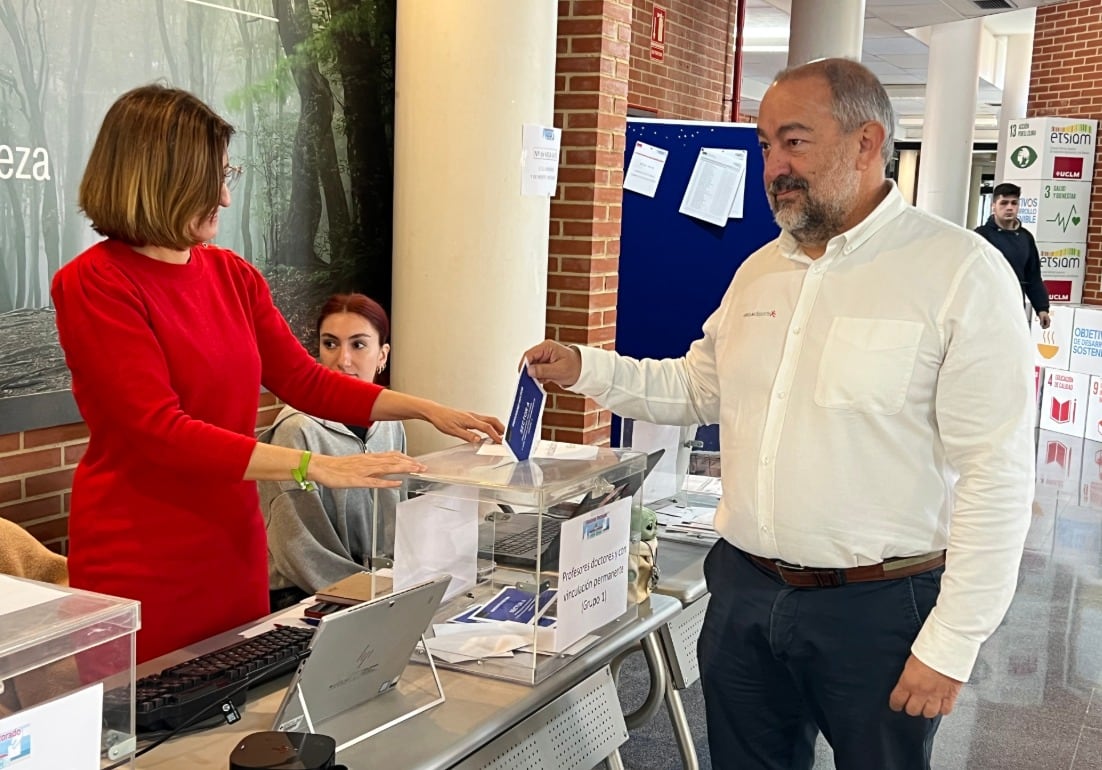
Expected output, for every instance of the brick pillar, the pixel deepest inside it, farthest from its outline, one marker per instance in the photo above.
(591, 87)
(1063, 83)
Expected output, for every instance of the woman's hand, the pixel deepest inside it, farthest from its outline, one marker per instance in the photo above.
(361, 470)
(460, 424)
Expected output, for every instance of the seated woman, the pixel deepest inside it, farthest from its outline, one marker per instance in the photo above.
(319, 536)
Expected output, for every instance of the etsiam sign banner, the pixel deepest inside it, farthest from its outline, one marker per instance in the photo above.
(1050, 148)
(1063, 268)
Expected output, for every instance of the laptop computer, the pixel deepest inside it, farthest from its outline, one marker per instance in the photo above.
(515, 538)
(358, 654)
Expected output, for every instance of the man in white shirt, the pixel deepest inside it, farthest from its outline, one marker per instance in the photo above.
(873, 385)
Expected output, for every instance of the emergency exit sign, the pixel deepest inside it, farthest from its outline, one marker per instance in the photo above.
(658, 34)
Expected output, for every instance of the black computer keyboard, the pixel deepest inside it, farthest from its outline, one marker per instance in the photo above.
(169, 699)
(524, 543)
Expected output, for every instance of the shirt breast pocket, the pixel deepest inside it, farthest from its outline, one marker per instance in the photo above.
(867, 364)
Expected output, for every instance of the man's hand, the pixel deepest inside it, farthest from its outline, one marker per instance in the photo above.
(551, 362)
(921, 691)
(1045, 319)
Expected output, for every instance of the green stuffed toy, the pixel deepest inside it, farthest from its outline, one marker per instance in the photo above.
(642, 553)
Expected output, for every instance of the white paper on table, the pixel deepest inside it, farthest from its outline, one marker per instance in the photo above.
(705, 485)
(645, 169)
(573, 649)
(648, 437)
(64, 732)
(16, 595)
(544, 450)
(593, 563)
(540, 162)
(739, 157)
(712, 187)
(436, 534)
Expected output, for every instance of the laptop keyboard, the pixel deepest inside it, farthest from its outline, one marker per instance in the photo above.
(169, 699)
(524, 543)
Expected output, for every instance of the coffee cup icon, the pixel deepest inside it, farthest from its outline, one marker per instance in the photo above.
(1047, 348)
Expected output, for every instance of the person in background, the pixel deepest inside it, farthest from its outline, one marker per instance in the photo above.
(1004, 231)
(169, 340)
(873, 386)
(316, 537)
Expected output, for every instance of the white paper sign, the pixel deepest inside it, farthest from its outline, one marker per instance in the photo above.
(540, 171)
(648, 437)
(593, 570)
(739, 158)
(436, 534)
(645, 169)
(16, 595)
(712, 187)
(62, 733)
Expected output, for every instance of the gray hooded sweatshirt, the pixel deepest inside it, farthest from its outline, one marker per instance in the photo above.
(316, 538)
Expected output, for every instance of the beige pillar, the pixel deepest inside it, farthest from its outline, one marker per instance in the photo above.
(470, 253)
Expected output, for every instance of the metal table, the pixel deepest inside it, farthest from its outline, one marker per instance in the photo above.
(570, 721)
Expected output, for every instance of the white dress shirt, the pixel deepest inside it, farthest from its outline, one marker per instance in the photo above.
(872, 403)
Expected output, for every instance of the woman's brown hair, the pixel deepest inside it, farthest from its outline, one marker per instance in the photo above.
(155, 168)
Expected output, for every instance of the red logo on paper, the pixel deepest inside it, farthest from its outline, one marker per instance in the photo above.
(1067, 168)
(1057, 452)
(1062, 411)
(1058, 291)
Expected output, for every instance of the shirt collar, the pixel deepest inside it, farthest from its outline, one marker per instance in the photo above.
(892, 205)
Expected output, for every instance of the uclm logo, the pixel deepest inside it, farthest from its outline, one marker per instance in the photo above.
(1023, 157)
(1059, 291)
(1067, 168)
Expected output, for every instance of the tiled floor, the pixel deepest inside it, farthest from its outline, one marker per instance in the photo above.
(1035, 699)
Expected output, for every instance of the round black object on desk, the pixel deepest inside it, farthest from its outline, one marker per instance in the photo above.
(284, 751)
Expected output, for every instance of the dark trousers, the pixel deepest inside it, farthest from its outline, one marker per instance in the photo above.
(780, 664)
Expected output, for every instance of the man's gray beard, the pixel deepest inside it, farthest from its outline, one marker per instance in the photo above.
(815, 222)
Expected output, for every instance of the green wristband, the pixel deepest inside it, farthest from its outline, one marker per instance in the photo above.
(299, 473)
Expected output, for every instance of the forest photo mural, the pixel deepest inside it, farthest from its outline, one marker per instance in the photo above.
(309, 86)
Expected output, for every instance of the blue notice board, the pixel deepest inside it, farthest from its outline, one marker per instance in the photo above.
(674, 269)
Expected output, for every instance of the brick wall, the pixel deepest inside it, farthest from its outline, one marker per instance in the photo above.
(693, 80)
(1065, 82)
(36, 475)
(591, 89)
(603, 64)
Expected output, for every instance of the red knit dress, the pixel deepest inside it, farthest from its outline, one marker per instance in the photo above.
(167, 363)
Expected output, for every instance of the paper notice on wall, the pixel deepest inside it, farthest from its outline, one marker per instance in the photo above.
(645, 169)
(712, 187)
(739, 158)
(540, 165)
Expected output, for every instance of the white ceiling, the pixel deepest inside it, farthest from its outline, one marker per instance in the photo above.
(893, 49)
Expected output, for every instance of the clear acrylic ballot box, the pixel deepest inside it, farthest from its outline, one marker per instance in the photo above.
(537, 551)
(67, 675)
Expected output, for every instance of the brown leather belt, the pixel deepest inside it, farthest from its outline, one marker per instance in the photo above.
(889, 569)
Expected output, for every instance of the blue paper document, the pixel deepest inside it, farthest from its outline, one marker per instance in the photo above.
(518, 606)
(524, 419)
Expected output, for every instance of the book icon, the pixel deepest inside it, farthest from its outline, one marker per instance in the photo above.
(1062, 411)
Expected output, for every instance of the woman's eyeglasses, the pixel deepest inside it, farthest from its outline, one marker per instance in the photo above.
(231, 175)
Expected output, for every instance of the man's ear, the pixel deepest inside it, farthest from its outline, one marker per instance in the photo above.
(871, 137)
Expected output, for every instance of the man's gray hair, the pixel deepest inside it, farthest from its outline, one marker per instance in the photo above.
(858, 96)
